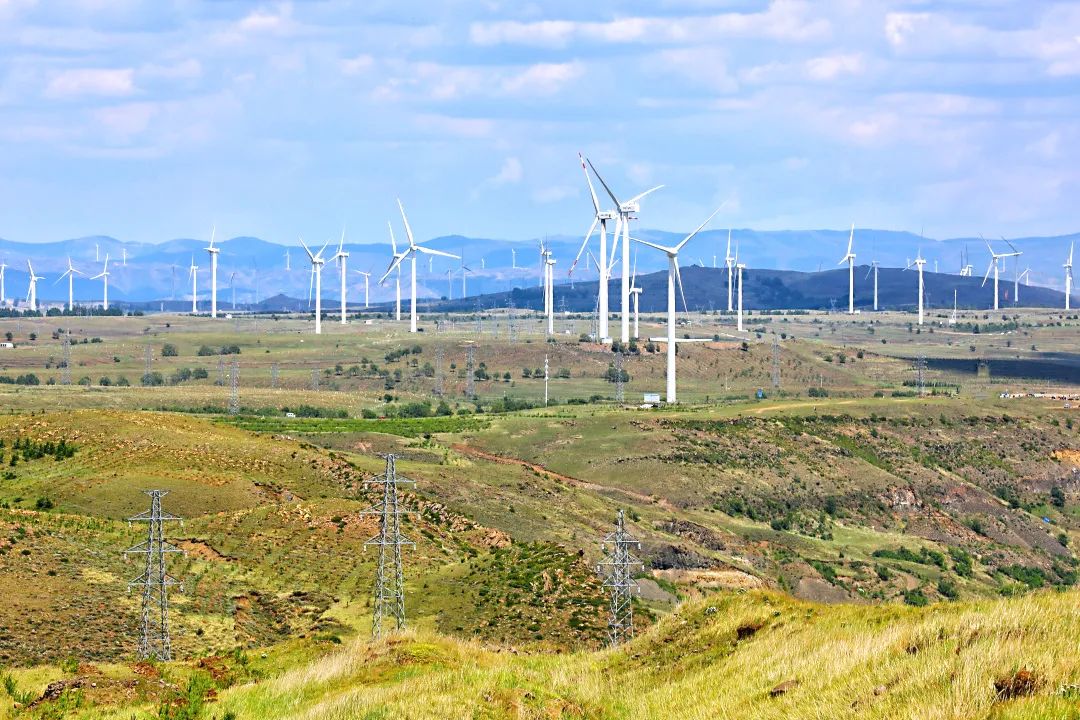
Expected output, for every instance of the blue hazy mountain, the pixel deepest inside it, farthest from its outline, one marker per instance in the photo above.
(256, 269)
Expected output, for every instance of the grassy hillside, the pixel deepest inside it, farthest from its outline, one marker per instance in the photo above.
(760, 655)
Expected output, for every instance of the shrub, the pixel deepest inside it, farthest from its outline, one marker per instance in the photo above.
(169, 350)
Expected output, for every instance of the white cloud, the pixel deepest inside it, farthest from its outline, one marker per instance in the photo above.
(832, 66)
(357, 65)
(185, 70)
(510, 173)
(900, 26)
(554, 193)
(91, 82)
(121, 122)
(543, 78)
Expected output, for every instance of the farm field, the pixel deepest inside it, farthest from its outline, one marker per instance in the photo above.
(842, 498)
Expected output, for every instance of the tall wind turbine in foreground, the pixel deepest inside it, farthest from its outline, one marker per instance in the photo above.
(411, 253)
(70, 275)
(626, 214)
(849, 258)
(919, 262)
(213, 272)
(601, 218)
(995, 265)
(193, 276)
(317, 262)
(1067, 266)
(342, 257)
(673, 278)
(31, 292)
(104, 275)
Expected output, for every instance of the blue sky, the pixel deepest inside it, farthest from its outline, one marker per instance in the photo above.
(151, 120)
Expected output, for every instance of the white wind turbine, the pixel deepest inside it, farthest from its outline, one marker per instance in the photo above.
(31, 292)
(367, 278)
(626, 212)
(1067, 266)
(213, 272)
(549, 290)
(104, 275)
(317, 262)
(342, 257)
(849, 258)
(232, 289)
(995, 265)
(635, 294)
(919, 262)
(70, 275)
(601, 218)
(395, 258)
(874, 269)
(966, 268)
(193, 276)
(730, 262)
(739, 267)
(674, 278)
(1019, 279)
(411, 253)
(3, 296)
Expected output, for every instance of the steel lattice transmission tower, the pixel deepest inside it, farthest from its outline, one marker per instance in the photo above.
(776, 362)
(274, 375)
(389, 600)
(65, 371)
(619, 389)
(315, 379)
(920, 374)
(154, 580)
(440, 387)
(221, 371)
(234, 388)
(148, 361)
(617, 568)
(470, 372)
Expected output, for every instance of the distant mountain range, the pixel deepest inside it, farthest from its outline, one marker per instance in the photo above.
(255, 269)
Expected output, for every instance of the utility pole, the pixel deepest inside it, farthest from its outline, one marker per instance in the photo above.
(618, 376)
(545, 381)
(470, 374)
(147, 360)
(510, 320)
(221, 371)
(776, 361)
(315, 379)
(389, 598)
(274, 375)
(618, 567)
(65, 371)
(154, 581)
(234, 388)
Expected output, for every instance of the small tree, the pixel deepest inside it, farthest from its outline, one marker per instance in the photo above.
(169, 350)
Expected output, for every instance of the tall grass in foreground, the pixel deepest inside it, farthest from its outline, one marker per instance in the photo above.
(753, 655)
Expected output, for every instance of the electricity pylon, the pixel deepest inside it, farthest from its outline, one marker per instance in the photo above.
(154, 581)
(234, 388)
(619, 391)
(470, 372)
(776, 362)
(618, 568)
(65, 372)
(389, 601)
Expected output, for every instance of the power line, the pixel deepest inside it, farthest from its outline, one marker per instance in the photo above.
(618, 567)
(155, 582)
(234, 388)
(389, 601)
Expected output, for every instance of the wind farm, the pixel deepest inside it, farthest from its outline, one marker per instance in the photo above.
(732, 427)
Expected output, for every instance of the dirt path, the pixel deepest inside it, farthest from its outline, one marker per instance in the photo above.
(541, 470)
(788, 406)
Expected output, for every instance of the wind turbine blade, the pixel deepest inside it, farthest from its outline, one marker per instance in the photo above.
(429, 251)
(868, 271)
(318, 255)
(306, 248)
(851, 239)
(687, 238)
(615, 242)
(613, 198)
(408, 230)
(987, 275)
(393, 243)
(661, 248)
(592, 191)
(641, 195)
(1012, 246)
(633, 274)
(393, 264)
(678, 279)
(311, 283)
(584, 243)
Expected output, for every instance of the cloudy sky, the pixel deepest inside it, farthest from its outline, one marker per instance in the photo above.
(152, 120)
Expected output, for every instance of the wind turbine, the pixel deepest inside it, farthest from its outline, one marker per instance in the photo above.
(411, 253)
(966, 268)
(995, 262)
(450, 284)
(3, 297)
(1016, 287)
(874, 269)
(31, 293)
(193, 276)
(213, 272)
(342, 257)
(849, 258)
(626, 212)
(367, 277)
(70, 275)
(287, 260)
(673, 278)
(601, 218)
(1067, 266)
(232, 288)
(739, 267)
(104, 275)
(317, 263)
(635, 294)
(549, 290)
(395, 259)
(730, 262)
(919, 262)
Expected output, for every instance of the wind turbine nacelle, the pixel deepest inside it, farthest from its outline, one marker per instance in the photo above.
(607, 215)
(630, 207)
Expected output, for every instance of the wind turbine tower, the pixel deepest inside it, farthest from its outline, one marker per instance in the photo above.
(626, 212)
(70, 275)
(919, 262)
(3, 296)
(213, 272)
(849, 258)
(995, 265)
(193, 276)
(874, 269)
(317, 262)
(1067, 266)
(730, 262)
(104, 275)
(342, 257)
(31, 292)
(674, 278)
(395, 258)
(411, 253)
(601, 218)
(367, 278)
